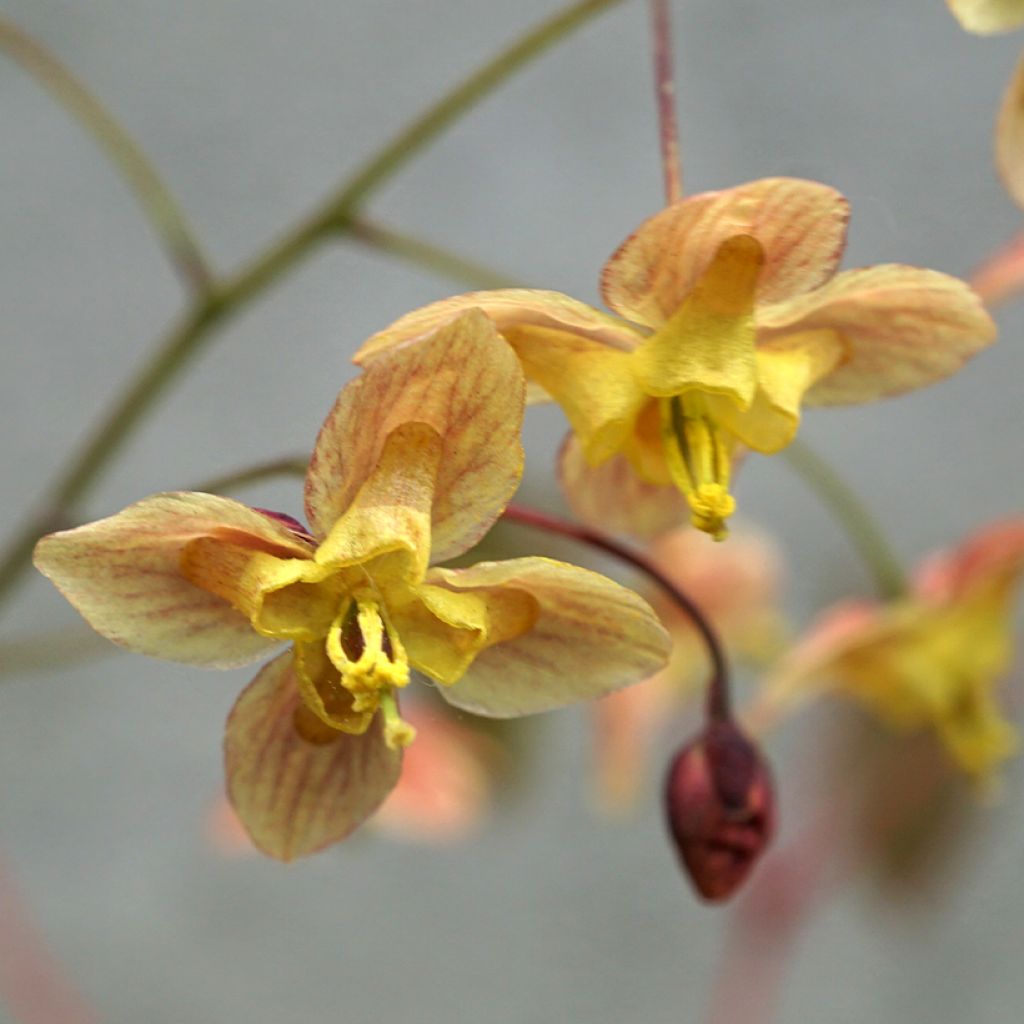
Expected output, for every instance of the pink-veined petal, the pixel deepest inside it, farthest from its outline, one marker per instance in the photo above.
(987, 17)
(801, 226)
(901, 327)
(511, 310)
(295, 796)
(124, 575)
(466, 384)
(590, 636)
(1010, 134)
(611, 496)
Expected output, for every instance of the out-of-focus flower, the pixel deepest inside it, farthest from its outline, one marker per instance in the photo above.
(720, 806)
(931, 661)
(987, 17)
(736, 586)
(416, 460)
(733, 318)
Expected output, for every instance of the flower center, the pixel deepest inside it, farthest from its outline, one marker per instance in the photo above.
(699, 457)
(371, 662)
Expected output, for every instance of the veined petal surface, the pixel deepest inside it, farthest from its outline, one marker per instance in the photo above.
(613, 497)
(901, 328)
(295, 796)
(801, 226)
(508, 308)
(466, 384)
(124, 574)
(987, 17)
(591, 636)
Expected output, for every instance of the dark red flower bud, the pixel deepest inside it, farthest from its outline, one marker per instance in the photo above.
(290, 521)
(721, 808)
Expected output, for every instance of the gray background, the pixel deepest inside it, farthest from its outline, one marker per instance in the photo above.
(253, 111)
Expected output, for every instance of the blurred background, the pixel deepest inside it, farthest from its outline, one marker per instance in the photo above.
(253, 112)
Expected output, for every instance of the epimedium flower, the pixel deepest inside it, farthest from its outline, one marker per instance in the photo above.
(929, 662)
(731, 316)
(417, 459)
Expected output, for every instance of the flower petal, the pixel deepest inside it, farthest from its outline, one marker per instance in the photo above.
(614, 498)
(992, 556)
(466, 384)
(590, 636)
(986, 17)
(902, 328)
(512, 310)
(295, 796)
(1010, 133)
(801, 226)
(124, 575)
(1001, 276)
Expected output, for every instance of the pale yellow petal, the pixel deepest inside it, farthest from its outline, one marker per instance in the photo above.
(466, 384)
(901, 328)
(613, 498)
(295, 796)
(785, 371)
(1010, 135)
(124, 575)
(590, 636)
(509, 309)
(801, 226)
(708, 342)
(595, 385)
(987, 17)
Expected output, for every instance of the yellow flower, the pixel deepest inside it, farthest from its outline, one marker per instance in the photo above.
(932, 660)
(986, 17)
(732, 320)
(414, 463)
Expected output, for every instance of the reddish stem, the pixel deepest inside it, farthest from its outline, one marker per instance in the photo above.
(665, 93)
(719, 703)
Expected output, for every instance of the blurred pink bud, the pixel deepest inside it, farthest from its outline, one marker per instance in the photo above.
(721, 808)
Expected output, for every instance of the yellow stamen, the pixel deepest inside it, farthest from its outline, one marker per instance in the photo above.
(366, 652)
(699, 458)
(398, 732)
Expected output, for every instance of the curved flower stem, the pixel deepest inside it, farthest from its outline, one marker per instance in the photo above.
(293, 466)
(719, 704)
(665, 92)
(854, 517)
(154, 198)
(228, 297)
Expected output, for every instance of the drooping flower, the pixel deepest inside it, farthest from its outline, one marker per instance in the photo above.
(931, 661)
(736, 585)
(416, 460)
(733, 317)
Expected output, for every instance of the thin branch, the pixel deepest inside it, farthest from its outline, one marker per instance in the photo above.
(665, 93)
(153, 196)
(288, 466)
(184, 341)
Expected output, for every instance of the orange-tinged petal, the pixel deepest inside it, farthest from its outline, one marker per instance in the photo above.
(124, 575)
(1010, 134)
(991, 556)
(389, 519)
(295, 796)
(511, 309)
(591, 636)
(707, 344)
(466, 384)
(1001, 276)
(613, 497)
(986, 17)
(901, 328)
(801, 226)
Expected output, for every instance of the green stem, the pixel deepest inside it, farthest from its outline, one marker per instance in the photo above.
(154, 198)
(432, 257)
(227, 299)
(288, 466)
(853, 516)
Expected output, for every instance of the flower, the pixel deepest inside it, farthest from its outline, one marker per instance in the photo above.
(416, 460)
(932, 660)
(736, 586)
(733, 318)
(987, 17)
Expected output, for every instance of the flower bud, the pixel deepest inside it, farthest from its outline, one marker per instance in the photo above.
(721, 809)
